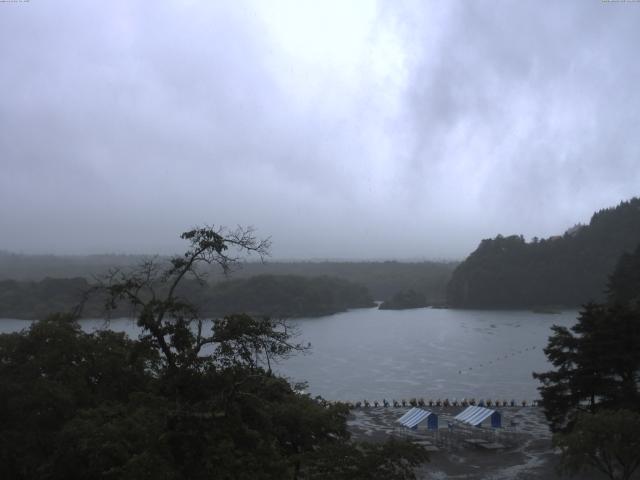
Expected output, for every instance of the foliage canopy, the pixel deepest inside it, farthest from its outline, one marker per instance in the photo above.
(189, 399)
(592, 397)
(607, 441)
(567, 270)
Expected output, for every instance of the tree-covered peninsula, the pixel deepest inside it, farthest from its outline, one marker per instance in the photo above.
(405, 299)
(381, 278)
(262, 295)
(285, 296)
(567, 270)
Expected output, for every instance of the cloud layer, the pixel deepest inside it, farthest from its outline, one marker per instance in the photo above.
(340, 129)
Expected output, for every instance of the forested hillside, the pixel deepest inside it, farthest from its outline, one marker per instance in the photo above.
(270, 295)
(567, 270)
(285, 296)
(404, 300)
(36, 300)
(17, 266)
(383, 279)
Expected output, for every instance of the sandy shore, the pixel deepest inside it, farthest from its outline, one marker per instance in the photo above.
(520, 450)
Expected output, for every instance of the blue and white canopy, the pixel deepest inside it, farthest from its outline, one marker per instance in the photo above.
(476, 415)
(413, 417)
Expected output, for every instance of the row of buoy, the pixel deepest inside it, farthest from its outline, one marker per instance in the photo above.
(433, 403)
(503, 357)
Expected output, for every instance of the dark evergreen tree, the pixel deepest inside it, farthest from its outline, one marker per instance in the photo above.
(597, 361)
(597, 365)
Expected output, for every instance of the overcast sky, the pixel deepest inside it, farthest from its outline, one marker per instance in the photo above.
(341, 129)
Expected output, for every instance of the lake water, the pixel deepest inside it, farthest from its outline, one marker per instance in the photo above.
(430, 353)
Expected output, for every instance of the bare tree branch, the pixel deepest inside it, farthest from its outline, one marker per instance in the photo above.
(152, 290)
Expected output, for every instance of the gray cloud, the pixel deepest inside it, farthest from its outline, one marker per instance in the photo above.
(530, 110)
(341, 130)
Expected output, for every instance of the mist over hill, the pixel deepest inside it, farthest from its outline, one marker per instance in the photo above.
(33, 286)
(382, 279)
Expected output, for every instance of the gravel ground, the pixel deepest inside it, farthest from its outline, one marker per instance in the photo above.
(523, 451)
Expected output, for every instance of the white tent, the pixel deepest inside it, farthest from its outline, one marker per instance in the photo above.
(476, 415)
(414, 416)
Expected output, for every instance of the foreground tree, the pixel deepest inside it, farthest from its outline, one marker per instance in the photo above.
(597, 365)
(597, 361)
(51, 373)
(592, 397)
(607, 441)
(190, 399)
(170, 322)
